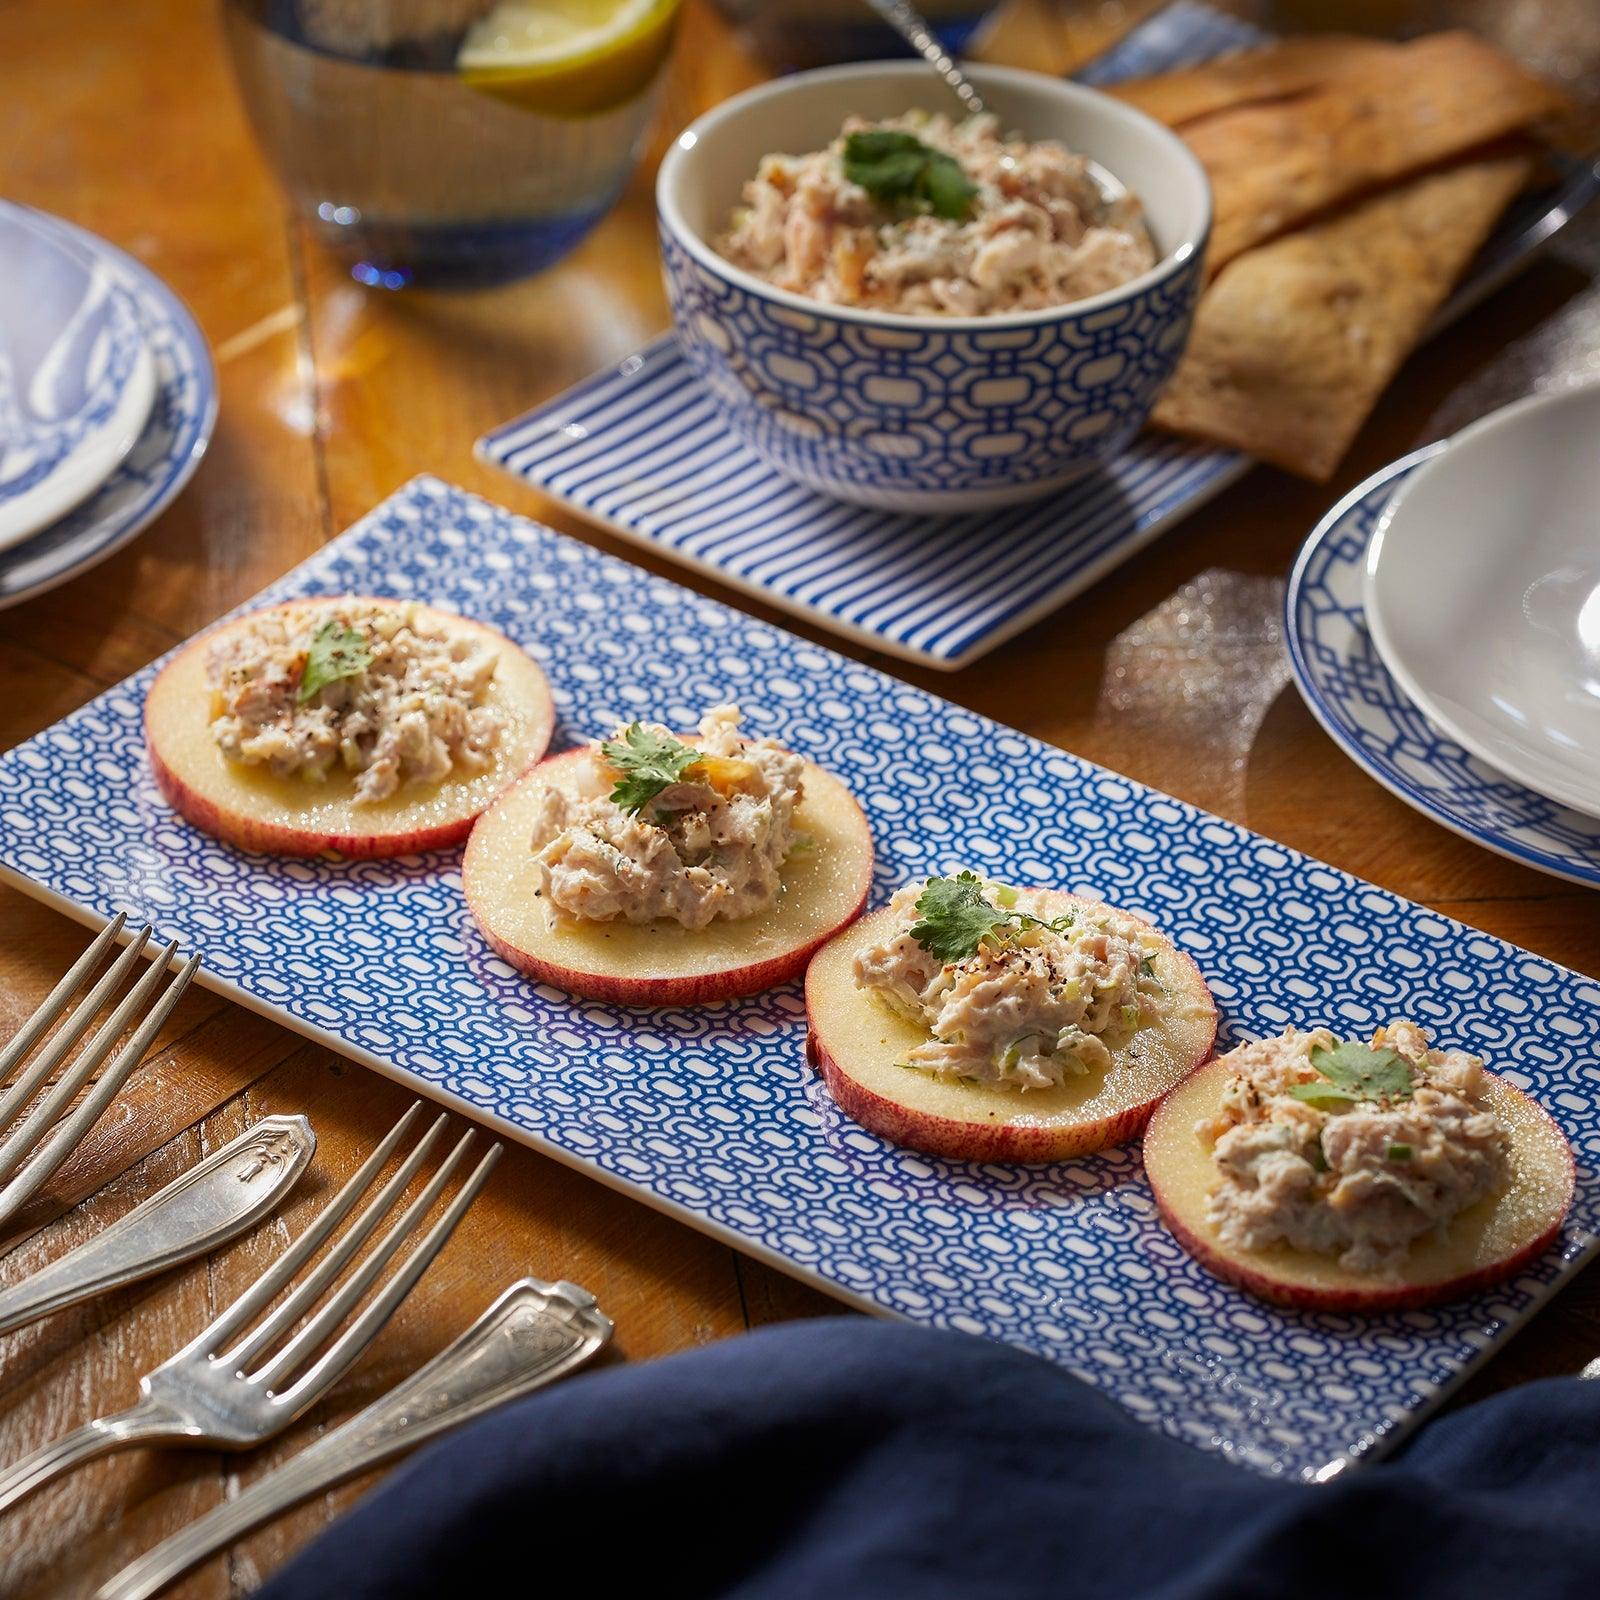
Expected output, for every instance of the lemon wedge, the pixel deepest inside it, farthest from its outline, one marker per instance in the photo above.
(569, 58)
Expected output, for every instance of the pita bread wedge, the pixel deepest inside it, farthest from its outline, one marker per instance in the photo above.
(1294, 342)
(1275, 165)
(1272, 72)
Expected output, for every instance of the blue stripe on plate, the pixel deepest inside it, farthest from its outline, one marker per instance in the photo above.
(641, 448)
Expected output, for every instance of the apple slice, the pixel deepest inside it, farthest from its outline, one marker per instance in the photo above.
(1480, 1246)
(250, 807)
(662, 963)
(858, 1044)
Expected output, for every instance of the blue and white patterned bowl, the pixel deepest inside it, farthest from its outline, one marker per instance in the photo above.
(924, 413)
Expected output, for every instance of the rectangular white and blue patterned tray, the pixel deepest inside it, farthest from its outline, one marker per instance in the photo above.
(712, 1114)
(640, 448)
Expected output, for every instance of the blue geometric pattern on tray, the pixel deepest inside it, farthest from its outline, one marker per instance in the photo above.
(712, 1113)
(1351, 693)
(163, 458)
(879, 405)
(69, 356)
(641, 448)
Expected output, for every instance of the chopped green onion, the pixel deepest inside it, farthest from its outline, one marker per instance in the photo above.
(1399, 1152)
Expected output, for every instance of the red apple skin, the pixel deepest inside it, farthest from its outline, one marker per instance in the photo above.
(695, 989)
(969, 1141)
(1360, 1296)
(239, 828)
(689, 989)
(984, 1141)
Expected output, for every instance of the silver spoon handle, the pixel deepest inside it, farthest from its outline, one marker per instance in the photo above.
(907, 21)
(228, 1192)
(534, 1333)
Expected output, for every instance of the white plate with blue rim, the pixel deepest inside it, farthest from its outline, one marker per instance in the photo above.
(161, 459)
(76, 375)
(1352, 693)
(640, 449)
(1483, 592)
(711, 1113)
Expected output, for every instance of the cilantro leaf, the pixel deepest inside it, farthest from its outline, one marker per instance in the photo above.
(956, 918)
(1354, 1072)
(336, 652)
(647, 762)
(898, 170)
(881, 144)
(947, 188)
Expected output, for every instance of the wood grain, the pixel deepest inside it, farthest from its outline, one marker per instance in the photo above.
(123, 118)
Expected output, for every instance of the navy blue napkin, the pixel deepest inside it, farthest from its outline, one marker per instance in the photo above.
(858, 1460)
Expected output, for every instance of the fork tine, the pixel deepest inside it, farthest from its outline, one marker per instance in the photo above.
(307, 1294)
(22, 1139)
(55, 1002)
(347, 1349)
(64, 1139)
(317, 1331)
(265, 1289)
(24, 1089)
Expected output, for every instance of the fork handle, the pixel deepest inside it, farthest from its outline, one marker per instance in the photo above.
(93, 1439)
(534, 1333)
(211, 1203)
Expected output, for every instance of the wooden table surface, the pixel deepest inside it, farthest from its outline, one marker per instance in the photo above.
(123, 118)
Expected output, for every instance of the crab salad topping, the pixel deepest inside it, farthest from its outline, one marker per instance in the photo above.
(686, 832)
(1015, 986)
(383, 691)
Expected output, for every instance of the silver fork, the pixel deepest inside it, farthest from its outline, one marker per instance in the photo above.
(533, 1334)
(39, 1130)
(232, 1388)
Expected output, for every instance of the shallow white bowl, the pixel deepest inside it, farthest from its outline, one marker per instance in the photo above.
(1483, 592)
(928, 413)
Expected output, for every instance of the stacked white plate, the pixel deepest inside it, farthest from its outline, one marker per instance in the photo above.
(1482, 593)
(107, 400)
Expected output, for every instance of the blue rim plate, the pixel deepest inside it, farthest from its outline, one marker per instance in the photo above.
(76, 376)
(1353, 695)
(162, 459)
(640, 449)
